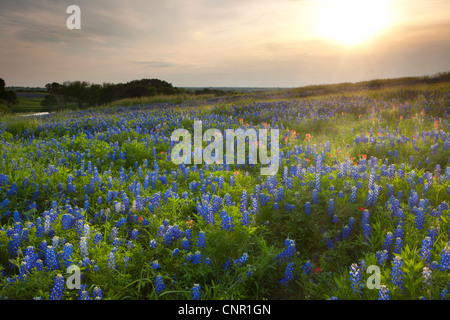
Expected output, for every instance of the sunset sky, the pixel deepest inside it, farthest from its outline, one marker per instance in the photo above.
(227, 43)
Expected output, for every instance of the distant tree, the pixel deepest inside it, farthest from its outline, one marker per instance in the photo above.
(52, 87)
(77, 91)
(8, 97)
(3, 109)
(84, 93)
(50, 102)
(93, 94)
(2, 85)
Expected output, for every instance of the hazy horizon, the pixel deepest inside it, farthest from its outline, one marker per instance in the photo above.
(233, 44)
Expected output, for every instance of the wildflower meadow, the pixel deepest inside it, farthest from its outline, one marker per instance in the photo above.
(363, 181)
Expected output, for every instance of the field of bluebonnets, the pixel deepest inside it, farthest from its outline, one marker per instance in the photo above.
(363, 181)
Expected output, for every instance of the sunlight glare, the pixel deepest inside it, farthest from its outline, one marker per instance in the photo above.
(351, 22)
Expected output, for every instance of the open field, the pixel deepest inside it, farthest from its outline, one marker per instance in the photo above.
(363, 184)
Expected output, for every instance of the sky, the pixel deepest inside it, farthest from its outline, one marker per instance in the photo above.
(223, 43)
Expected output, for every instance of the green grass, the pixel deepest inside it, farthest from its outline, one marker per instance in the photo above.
(29, 105)
(179, 98)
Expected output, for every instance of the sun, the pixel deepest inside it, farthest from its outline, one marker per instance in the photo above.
(351, 22)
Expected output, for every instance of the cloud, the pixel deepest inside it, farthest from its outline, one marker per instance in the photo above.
(209, 42)
(155, 64)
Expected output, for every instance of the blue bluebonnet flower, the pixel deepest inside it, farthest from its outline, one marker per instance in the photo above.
(125, 261)
(156, 265)
(50, 258)
(227, 264)
(227, 200)
(195, 292)
(197, 257)
(189, 257)
(413, 199)
(226, 221)
(289, 252)
(67, 254)
(134, 233)
(388, 241)
(12, 190)
(420, 218)
(254, 204)
(328, 241)
(318, 181)
(98, 237)
(97, 293)
(289, 207)
(201, 240)
(353, 195)
(307, 267)
(83, 294)
(307, 208)
(84, 247)
(245, 219)
(433, 234)
(365, 224)
(153, 244)
(288, 275)
(382, 256)
(351, 222)
(244, 201)
(185, 244)
(243, 259)
(398, 246)
(397, 273)
(207, 261)
(23, 271)
(121, 222)
(116, 242)
(112, 260)
(109, 197)
(330, 209)
(79, 227)
(367, 231)
(315, 196)
(4, 203)
(444, 294)
(58, 288)
(86, 262)
(14, 244)
(384, 293)
(445, 258)
(67, 221)
(427, 276)
(39, 264)
(43, 248)
(172, 234)
(159, 284)
(86, 205)
(355, 278)
(335, 219)
(399, 231)
(175, 252)
(47, 224)
(425, 250)
(30, 257)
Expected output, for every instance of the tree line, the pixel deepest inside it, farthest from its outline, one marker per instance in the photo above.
(84, 94)
(7, 98)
